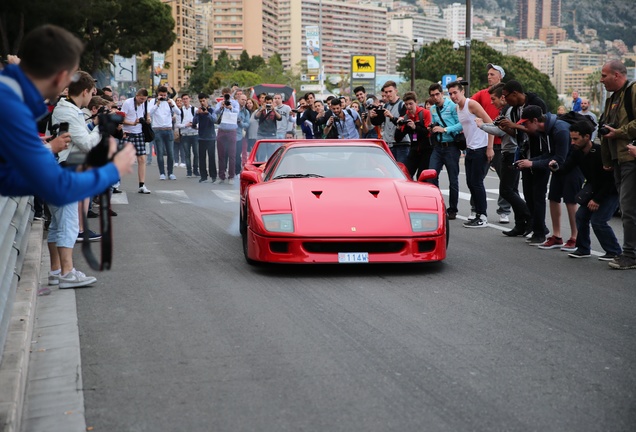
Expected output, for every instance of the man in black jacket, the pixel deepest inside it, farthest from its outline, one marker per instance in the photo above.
(598, 199)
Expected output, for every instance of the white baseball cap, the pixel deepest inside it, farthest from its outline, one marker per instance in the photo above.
(497, 68)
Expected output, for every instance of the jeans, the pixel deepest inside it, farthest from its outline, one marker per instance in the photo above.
(209, 147)
(164, 141)
(400, 152)
(239, 156)
(149, 147)
(226, 145)
(179, 152)
(419, 158)
(625, 176)
(504, 206)
(508, 190)
(535, 186)
(599, 218)
(190, 145)
(477, 165)
(448, 157)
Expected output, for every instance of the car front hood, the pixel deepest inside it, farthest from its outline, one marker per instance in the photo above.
(351, 207)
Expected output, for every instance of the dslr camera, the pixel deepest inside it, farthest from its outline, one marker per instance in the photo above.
(603, 130)
(226, 98)
(498, 120)
(402, 121)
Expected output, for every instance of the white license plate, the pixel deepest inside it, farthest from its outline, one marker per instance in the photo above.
(353, 257)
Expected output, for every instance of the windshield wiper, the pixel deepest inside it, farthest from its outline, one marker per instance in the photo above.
(284, 176)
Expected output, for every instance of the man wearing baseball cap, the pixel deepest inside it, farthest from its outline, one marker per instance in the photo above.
(482, 97)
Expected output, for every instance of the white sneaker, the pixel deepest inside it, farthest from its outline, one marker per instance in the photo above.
(176, 164)
(144, 190)
(219, 181)
(504, 219)
(54, 279)
(230, 181)
(162, 177)
(182, 165)
(76, 279)
(172, 177)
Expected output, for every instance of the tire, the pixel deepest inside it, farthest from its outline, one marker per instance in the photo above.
(447, 233)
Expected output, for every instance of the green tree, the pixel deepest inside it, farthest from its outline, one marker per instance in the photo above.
(273, 72)
(439, 58)
(421, 89)
(594, 90)
(629, 62)
(224, 62)
(244, 78)
(201, 72)
(107, 26)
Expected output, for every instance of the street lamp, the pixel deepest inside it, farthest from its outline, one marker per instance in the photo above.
(417, 42)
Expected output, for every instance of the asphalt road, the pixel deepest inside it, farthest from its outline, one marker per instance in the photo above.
(183, 335)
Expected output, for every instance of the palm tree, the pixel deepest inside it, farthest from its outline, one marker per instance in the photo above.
(594, 88)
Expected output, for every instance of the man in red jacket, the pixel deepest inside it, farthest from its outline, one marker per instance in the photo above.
(495, 75)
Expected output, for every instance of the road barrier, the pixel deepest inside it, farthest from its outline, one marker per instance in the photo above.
(15, 225)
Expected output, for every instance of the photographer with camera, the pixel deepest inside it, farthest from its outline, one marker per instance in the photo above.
(509, 174)
(345, 121)
(66, 226)
(135, 113)
(598, 199)
(226, 112)
(619, 154)
(286, 122)
(161, 109)
(204, 121)
(387, 118)
(444, 124)
(415, 124)
(267, 119)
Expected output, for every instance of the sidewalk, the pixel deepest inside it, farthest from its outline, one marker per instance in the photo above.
(40, 373)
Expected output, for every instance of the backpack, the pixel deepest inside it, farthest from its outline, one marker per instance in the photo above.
(574, 117)
(191, 110)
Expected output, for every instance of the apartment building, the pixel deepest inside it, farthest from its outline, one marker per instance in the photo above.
(183, 52)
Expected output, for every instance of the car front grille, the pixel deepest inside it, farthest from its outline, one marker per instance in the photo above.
(347, 246)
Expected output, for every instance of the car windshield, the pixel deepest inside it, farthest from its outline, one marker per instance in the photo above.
(265, 149)
(338, 161)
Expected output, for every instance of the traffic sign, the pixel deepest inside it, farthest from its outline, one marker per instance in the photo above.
(125, 69)
(446, 79)
(310, 87)
(363, 64)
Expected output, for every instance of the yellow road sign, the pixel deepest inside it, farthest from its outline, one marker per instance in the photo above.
(360, 63)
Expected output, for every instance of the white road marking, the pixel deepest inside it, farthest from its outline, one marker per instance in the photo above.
(227, 196)
(121, 198)
(173, 196)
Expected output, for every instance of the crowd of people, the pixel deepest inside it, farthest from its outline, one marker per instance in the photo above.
(502, 127)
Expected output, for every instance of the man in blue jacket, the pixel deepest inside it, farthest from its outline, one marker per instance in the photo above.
(445, 153)
(49, 59)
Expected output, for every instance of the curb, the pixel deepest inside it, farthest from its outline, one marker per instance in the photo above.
(15, 360)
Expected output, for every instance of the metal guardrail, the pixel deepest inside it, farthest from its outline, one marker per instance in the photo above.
(15, 224)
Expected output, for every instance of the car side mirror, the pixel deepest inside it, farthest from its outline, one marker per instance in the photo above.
(250, 177)
(427, 174)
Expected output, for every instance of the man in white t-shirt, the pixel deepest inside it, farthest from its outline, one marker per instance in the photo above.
(286, 123)
(133, 109)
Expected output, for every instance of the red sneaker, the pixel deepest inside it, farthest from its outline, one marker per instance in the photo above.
(569, 246)
(552, 242)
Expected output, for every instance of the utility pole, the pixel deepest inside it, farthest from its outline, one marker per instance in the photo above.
(469, 22)
(413, 66)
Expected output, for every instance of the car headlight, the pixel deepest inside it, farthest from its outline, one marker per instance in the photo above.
(423, 222)
(283, 222)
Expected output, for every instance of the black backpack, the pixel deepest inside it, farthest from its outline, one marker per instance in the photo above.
(574, 117)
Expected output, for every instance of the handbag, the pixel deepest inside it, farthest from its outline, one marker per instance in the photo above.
(585, 195)
(460, 140)
(146, 128)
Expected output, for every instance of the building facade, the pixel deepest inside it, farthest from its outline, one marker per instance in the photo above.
(182, 54)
